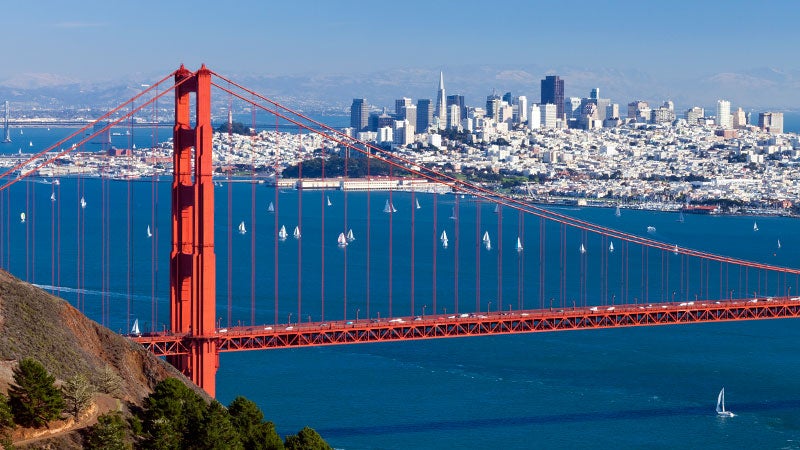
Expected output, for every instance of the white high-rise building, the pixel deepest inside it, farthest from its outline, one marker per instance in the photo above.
(441, 103)
(535, 117)
(724, 118)
(549, 114)
(522, 103)
(453, 116)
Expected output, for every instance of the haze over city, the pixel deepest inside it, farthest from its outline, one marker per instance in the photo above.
(689, 52)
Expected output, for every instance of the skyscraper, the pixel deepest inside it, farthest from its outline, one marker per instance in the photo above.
(458, 100)
(359, 115)
(553, 93)
(424, 114)
(441, 105)
(522, 108)
(493, 106)
(771, 122)
(724, 118)
(399, 104)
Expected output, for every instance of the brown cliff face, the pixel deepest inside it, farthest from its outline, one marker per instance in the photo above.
(38, 325)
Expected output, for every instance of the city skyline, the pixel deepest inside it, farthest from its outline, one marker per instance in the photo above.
(140, 41)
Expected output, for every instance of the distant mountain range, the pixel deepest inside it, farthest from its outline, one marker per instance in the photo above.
(757, 89)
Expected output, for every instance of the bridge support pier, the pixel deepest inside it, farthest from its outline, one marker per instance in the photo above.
(192, 268)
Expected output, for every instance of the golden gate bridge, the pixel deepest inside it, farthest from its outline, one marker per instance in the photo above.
(591, 286)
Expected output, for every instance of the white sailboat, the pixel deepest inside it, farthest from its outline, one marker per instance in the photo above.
(350, 236)
(328, 200)
(519, 244)
(443, 238)
(497, 208)
(582, 249)
(486, 241)
(135, 329)
(417, 200)
(779, 243)
(83, 203)
(342, 240)
(675, 250)
(651, 229)
(610, 247)
(282, 233)
(617, 212)
(149, 233)
(297, 232)
(22, 217)
(242, 229)
(721, 405)
(755, 226)
(271, 207)
(388, 207)
(53, 197)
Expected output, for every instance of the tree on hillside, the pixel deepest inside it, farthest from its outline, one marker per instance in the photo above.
(34, 398)
(255, 434)
(108, 381)
(110, 433)
(174, 409)
(6, 422)
(306, 439)
(216, 431)
(78, 393)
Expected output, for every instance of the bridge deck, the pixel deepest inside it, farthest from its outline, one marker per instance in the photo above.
(457, 325)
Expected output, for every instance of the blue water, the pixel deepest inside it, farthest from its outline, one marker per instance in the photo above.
(653, 387)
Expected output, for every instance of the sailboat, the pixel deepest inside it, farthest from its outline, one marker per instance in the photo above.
(610, 247)
(486, 241)
(497, 208)
(617, 212)
(388, 207)
(22, 217)
(350, 237)
(443, 238)
(53, 197)
(282, 233)
(675, 250)
(135, 329)
(149, 233)
(328, 200)
(453, 215)
(680, 217)
(779, 243)
(417, 200)
(519, 244)
(651, 229)
(83, 203)
(582, 249)
(755, 226)
(342, 240)
(242, 229)
(721, 405)
(297, 232)
(271, 207)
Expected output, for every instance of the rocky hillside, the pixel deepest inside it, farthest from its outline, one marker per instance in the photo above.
(38, 325)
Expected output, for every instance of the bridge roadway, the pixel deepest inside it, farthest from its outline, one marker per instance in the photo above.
(475, 324)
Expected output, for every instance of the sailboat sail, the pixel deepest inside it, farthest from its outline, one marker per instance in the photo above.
(328, 200)
(271, 207)
(611, 247)
(417, 200)
(22, 217)
(779, 243)
(519, 244)
(617, 212)
(149, 233)
(680, 217)
(297, 232)
(443, 236)
(388, 207)
(583, 249)
(721, 411)
(242, 229)
(53, 197)
(486, 241)
(755, 226)
(341, 240)
(83, 203)
(485, 236)
(497, 208)
(350, 236)
(282, 233)
(135, 328)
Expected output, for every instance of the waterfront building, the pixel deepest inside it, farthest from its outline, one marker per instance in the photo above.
(549, 114)
(441, 105)
(424, 114)
(359, 114)
(724, 119)
(694, 114)
(739, 119)
(771, 122)
(639, 111)
(535, 117)
(552, 92)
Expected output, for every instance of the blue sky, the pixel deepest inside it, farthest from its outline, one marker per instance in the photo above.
(90, 39)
